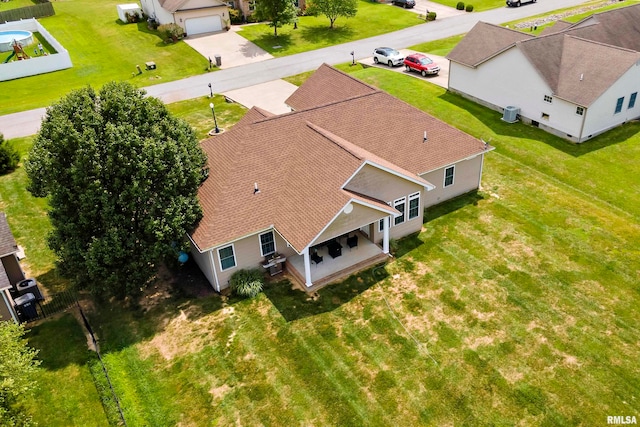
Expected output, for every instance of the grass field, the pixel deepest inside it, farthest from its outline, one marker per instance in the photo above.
(313, 32)
(102, 49)
(514, 305)
(478, 5)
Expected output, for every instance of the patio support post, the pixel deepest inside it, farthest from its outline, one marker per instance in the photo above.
(385, 238)
(307, 268)
(9, 305)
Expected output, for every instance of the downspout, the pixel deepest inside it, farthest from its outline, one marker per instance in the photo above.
(9, 306)
(584, 119)
(213, 268)
(481, 167)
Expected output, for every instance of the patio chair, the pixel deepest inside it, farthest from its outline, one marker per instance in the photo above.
(352, 242)
(317, 259)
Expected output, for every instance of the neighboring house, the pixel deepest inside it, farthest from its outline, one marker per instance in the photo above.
(350, 161)
(10, 271)
(194, 16)
(573, 80)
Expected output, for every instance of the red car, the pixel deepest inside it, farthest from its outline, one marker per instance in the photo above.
(421, 63)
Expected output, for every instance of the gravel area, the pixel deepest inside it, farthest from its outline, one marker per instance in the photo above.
(558, 16)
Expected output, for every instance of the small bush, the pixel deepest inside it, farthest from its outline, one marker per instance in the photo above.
(132, 18)
(469, 8)
(247, 283)
(251, 19)
(431, 16)
(235, 16)
(170, 32)
(9, 156)
(460, 5)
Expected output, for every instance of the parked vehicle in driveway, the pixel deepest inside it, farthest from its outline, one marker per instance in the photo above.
(407, 4)
(387, 55)
(422, 64)
(517, 3)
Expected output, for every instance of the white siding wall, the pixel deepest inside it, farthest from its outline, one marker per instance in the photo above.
(204, 262)
(600, 115)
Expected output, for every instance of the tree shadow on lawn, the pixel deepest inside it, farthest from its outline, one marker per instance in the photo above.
(268, 42)
(493, 120)
(295, 304)
(336, 35)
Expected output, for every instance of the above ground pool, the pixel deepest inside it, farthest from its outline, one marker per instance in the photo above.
(7, 37)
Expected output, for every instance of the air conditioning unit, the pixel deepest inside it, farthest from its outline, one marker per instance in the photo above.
(511, 114)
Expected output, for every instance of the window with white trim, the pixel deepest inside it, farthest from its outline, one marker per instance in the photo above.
(619, 103)
(580, 111)
(548, 98)
(448, 175)
(381, 222)
(399, 204)
(227, 257)
(267, 243)
(252, 5)
(414, 205)
(632, 100)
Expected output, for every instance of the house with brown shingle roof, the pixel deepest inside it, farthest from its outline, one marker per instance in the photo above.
(10, 271)
(573, 80)
(194, 16)
(322, 189)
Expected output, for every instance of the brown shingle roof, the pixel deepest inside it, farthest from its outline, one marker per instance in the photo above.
(301, 160)
(325, 86)
(483, 42)
(8, 244)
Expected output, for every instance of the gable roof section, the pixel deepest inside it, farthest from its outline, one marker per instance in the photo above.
(556, 27)
(179, 5)
(302, 160)
(617, 27)
(575, 69)
(325, 86)
(483, 42)
(8, 243)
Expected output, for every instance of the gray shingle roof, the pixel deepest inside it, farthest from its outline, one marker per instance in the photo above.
(578, 61)
(8, 244)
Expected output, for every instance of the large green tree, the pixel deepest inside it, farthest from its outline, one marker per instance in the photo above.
(277, 12)
(122, 176)
(18, 369)
(333, 9)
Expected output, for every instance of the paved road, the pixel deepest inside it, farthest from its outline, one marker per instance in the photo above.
(28, 122)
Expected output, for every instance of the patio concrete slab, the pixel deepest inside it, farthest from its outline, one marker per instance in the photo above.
(233, 49)
(269, 96)
(442, 79)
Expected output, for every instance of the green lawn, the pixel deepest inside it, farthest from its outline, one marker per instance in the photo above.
(102, 49)
(313, 32)
(515, 305)
(478, 5)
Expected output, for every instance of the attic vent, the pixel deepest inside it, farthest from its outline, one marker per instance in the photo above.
(510, 114)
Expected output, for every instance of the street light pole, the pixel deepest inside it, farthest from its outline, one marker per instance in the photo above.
(213, 111)
(210, 91)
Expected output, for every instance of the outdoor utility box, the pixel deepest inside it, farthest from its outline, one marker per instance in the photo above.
(511, 114)
(27, 286)
(25, 306)
(131, 9)
(218, 60)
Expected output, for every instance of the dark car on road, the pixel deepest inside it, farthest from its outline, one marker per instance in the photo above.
(407, 4)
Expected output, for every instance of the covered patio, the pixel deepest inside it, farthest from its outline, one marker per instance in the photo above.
(330, 268)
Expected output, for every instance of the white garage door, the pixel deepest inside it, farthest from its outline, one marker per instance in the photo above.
(206, 24)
